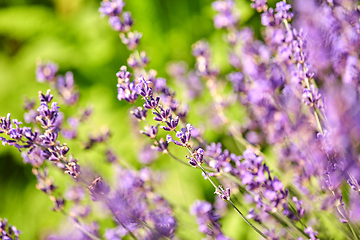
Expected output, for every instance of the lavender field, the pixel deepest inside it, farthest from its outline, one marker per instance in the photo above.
(180, 119)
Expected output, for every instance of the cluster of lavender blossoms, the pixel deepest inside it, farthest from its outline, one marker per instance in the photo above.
(8, 232)
(295, 166)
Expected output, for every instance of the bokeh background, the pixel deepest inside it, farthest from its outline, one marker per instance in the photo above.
(72, 34)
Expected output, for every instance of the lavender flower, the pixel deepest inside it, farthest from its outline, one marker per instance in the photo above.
(128, 92)
(111, 8)
(259, 5)
(282, 11)
(123, 75)
(207, 219)
(183, 135)
(148, 155)
(226, 16)
(8, 232)
(171, 124)
(111, 157)
(98, 189)
(151, 132)
(46, 72)
(139, 113)
(151, 103)
(116, 23)
(298, 87)
(163, 116)
(132, 39)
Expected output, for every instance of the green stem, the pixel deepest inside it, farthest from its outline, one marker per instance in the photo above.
(353, 232)
(233, 205)
(246, 220)
(209, 178)
(344, 217)
(177, 159)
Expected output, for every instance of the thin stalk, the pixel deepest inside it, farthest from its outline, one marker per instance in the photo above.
(353, 232)
(297, 214)
(233, 205)
(209, 178)
(344, 217)
(246, 220)
(177, 159)
(318, 121)
(244, 208)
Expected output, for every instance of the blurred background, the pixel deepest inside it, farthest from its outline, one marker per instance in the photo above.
(72, 34)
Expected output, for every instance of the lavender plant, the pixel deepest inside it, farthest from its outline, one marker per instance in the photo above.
(293, 170)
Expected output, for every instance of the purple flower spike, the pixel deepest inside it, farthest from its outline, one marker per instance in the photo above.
(237, 80)
(73, 169)
(226, 17)
(150, 132)
(282, 11)
(139, 113)
(116, 24)
(49, 118)
(132, 39)
(143, 88)
(47, 98)
(128, 21)
(65, 86)
(259, 5)
(123, 75)
(98, 189)
(128, 92)
(193, 162)
(111, 156)
(267, 18)
(163, 116)
(132, 61)
(162, 145)
(152, 103)
(43, 182)
(58, 203)
(200, 155)
(170, 139)
(201, 48)
(171, 124)
(312, 234)
(300, 210)
(269, 194)
(207, 220)
(16, 133)
(223, 194)
(184, 136)
(311, 97)
(8, 232)
(5, 123)
(164, 226)
(144, 59)
(46, 72)
(111, 8)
